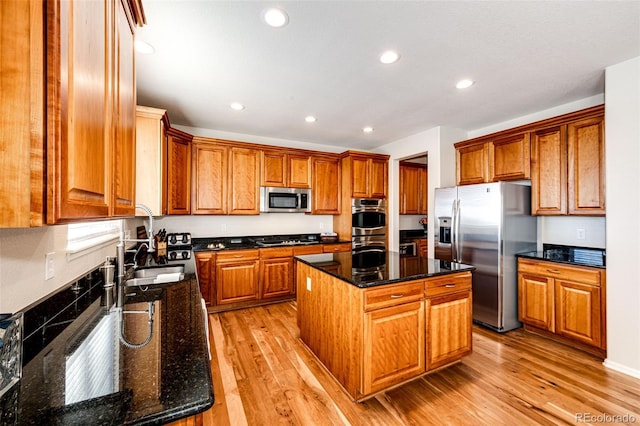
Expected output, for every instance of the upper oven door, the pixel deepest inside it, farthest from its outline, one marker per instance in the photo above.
(368, 223)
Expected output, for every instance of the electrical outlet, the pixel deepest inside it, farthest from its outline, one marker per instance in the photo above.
(321, 225)
(223, 227)
(49, 266)
(127, 234)
(580, 234)
(308, 283)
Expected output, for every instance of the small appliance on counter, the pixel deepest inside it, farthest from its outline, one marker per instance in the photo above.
(179, 246)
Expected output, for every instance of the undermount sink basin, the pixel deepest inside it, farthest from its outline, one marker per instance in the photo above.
(160, 274)
(154, 271)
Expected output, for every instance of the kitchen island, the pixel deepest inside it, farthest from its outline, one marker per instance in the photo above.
(379, 326)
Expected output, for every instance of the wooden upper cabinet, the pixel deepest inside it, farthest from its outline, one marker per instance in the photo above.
(151, 158)
(78, 113)
(326, 185)
(124, 184)
(244, 172)
(285, 170)
(90, 108)
(549, 171)
(413, 189)
(585, 148)
(210, 178)
(510, 158)
(368, 175)
(178, 172)
(22, 128)
(567, 169)
(471, 164)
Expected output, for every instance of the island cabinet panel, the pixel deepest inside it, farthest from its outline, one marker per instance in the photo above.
(237, 276)
(326, 185)
(565, 302)
(448, 328)
(394, 345)
(374, 338)
(178, 172)
(244, 172)
(210, 175)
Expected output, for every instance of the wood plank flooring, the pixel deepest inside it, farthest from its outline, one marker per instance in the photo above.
(263, 375)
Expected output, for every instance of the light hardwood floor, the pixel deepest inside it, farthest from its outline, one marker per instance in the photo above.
(263, 375)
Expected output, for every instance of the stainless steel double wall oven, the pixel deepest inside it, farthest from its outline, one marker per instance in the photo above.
(368, 236)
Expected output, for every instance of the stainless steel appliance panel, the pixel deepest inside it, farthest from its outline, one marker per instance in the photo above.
(445, 199)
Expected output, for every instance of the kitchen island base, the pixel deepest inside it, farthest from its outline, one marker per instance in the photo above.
(375, 338)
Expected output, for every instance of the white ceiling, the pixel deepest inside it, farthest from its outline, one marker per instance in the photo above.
(524, 57)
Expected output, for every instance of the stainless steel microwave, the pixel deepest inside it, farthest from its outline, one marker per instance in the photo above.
(285, 200)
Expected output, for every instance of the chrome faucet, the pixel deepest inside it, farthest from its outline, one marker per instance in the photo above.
(120, 247)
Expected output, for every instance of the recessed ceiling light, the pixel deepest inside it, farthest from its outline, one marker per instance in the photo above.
(237, 106)
(310, 119)
(367, 129)
(276, 18)
(389, 57)
(143, 47)
(463, 84)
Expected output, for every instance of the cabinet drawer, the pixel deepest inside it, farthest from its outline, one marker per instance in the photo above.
(334, 248)
(272, 253)
(447, 284)
(554, 270)
(390, 295)
(235, 255)
(311, 249)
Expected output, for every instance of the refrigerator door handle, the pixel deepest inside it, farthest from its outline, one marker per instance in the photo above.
(453, 230)
(458, 239)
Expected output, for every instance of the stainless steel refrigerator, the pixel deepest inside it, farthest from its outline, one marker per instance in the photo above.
(484, 225)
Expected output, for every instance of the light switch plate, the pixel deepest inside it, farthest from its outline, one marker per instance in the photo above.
(49, 266)
(308, 283)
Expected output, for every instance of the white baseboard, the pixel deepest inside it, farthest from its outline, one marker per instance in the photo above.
(622, 368)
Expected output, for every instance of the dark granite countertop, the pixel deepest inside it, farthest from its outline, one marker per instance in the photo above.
(392, 268)
(580, 256)
(256, 242)
(87, 373)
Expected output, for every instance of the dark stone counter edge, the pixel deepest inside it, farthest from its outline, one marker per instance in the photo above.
(540, 256)
(465, 268)
(171, 416)
(249, 246)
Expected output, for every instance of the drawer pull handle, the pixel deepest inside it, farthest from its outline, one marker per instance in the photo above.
(450, 286)
(397, 296)
(553, 271)
(238, 255)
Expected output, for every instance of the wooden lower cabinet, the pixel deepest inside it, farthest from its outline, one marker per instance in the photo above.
(563, 301)
(206, 272)
(393, 345)
(276, 272)
(371, 339)
(236, 276)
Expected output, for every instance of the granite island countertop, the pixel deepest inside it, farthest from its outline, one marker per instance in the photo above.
(394, 268)
(146, 362)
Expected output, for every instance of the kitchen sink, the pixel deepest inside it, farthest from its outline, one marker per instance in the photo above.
(160, 274)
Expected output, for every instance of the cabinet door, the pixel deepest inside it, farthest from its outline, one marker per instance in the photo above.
(536, 301)
(299, 171)
(178, 175)
(448, 328)
(394, 341)
(210, 168)
(510, 158)
(424, 191)
(78, 110)
(124, 184)
(151, 159)
(422, 247)
(578, 310)
(273, 169)
(326, 186)
(205, 268)
(549, 171)
(360, 176)
(585, 147)
(244, 179)
(276, 277)
(22, 130)
(236, 281)
(409, 190)
(378, 178)
(471, 164)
